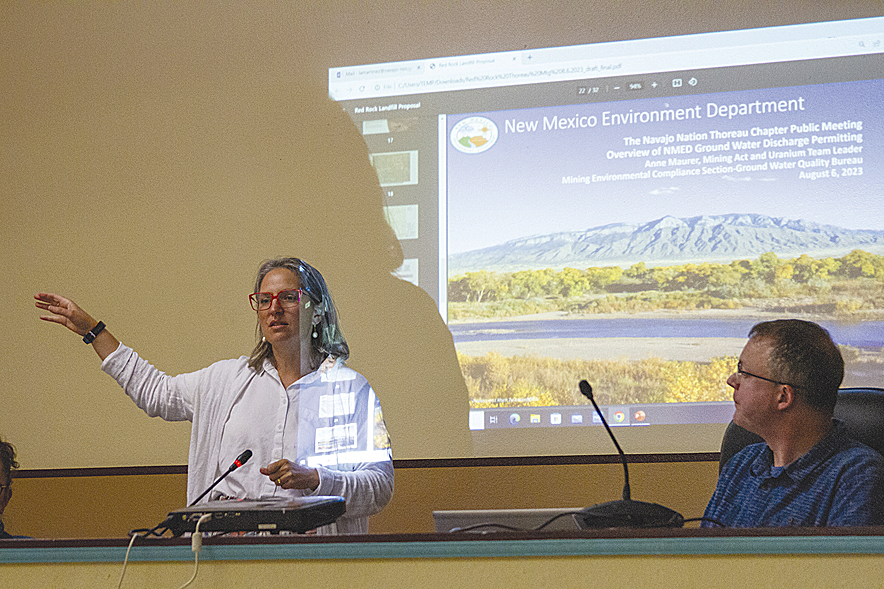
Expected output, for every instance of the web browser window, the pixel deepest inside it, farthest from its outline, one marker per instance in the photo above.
(625, 212)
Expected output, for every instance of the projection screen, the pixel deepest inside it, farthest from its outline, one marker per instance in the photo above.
(624, 212)
(499, 208)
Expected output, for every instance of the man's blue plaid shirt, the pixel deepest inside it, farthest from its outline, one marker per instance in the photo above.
(839, 482)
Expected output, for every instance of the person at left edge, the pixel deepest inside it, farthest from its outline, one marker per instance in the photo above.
(7, 464)
(315, 427)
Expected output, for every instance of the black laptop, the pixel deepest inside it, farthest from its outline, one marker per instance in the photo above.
(299, 514)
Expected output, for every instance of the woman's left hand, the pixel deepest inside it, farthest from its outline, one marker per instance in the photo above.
(288, 475)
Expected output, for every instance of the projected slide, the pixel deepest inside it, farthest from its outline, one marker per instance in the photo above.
(647, 236)
(625, 212)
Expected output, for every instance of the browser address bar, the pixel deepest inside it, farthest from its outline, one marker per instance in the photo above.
(565, 64)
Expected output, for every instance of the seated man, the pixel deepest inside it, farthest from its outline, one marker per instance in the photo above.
(808, 472)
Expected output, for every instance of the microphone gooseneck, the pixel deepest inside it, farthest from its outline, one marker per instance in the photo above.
(586, 389)
(626, 512)
(240, 460)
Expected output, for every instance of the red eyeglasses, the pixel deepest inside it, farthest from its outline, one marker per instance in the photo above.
(261, 301)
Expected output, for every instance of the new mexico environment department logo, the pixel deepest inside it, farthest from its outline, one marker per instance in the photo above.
(474, 135)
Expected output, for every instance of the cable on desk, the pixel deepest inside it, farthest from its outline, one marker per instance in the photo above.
(196, 544)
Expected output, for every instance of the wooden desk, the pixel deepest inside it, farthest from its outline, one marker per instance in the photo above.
(618, 558)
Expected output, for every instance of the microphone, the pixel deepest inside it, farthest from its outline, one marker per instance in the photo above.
(586, 390)
(626, 512)
(240, 460)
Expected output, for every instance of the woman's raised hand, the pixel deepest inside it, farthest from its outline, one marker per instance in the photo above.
(64, 312)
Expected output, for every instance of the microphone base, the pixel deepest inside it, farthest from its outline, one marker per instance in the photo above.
(628, 514)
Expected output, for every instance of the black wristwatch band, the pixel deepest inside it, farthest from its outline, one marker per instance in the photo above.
(90, 337)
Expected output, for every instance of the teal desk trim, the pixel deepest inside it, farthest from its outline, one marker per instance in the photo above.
(500, 548)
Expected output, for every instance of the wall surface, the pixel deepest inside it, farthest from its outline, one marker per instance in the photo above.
(153, 153)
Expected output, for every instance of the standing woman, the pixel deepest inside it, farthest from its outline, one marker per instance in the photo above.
(314, 426)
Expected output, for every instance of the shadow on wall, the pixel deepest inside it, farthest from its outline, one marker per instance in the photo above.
(396, 334)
